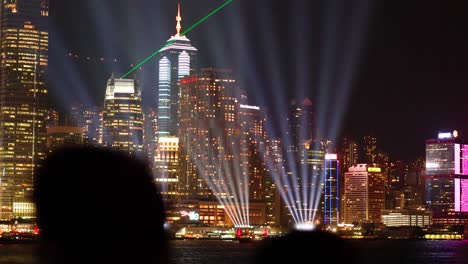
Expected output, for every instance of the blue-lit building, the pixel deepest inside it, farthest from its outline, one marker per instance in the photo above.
(176, 61)
(331, 190)
(447, 178)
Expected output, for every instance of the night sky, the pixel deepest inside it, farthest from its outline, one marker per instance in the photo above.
(395, 69)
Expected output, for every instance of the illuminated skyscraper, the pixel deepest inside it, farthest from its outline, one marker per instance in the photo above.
(301, 124)
(150, 136)
(209, 132)
(23, 101)
(364, 194)
(177, 59)
(331, 190)
(123, 116)
(273, 202)
(166, 165)
(90, 118)
(253, 150)
(447, 178)
(349, 153)
(369, 149)
(313, 169)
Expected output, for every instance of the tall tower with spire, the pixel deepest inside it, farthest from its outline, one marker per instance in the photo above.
(176, 61)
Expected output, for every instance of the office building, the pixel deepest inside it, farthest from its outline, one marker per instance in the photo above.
(62, 136)
(176, 60)
(364, 194)
(331, 190)
(447, 178)
(166, 172)
(123, 116)
(24, 41)
(209, 136)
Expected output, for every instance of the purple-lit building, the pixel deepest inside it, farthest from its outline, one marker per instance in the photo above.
(447, 178)
(331, 190)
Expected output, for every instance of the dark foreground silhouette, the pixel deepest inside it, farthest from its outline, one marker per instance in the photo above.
(98, 206)
(306, 247)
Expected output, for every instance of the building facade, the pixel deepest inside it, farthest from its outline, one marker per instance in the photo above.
(24, 41)
(331, 190)
(209, 136)
(364, 194)
(123, 116)
(166, 173)
(177, 59)
(447, 178)
(61, 136)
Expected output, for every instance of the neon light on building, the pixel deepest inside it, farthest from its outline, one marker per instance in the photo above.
(331, 187)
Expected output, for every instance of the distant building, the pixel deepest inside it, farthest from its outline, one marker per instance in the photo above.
(123, 116)
(253, 150)
(369, 149)
(407, 217)
(330, 190)
(273, 201)
(24, 45)
(301, 122)
(61, 136)
(176, 61)
(209, 135)
(349, 153)
(364, 194)
(447, 178)
(166, 171)
(150, 138)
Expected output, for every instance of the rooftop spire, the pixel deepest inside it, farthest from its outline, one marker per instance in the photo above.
(178, 19)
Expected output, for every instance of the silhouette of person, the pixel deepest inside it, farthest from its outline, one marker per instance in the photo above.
(305, 247)
(96, 205)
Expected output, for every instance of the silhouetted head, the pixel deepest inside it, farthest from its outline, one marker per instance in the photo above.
(306, 247)
(95, 205)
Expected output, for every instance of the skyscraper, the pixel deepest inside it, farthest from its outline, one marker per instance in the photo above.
(301, 124)
(369, 149)
(150, 136)
(253, 150)
(447, 178)
(349, 153)
(23, 100)
(176, 61)
(167, 167)
(123, 116)
(364, 194)
(209, 133)
(331, 190)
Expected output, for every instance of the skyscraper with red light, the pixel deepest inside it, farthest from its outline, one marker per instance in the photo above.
(209, 134)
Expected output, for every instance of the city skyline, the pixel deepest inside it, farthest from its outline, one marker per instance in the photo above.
(247, 120)
(407, 59)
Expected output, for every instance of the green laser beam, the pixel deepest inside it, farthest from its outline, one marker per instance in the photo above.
(172, 41)
(147, 59)
(207, 16)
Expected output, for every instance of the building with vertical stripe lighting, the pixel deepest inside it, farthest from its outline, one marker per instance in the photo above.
(177, 59)
(24, 40)
(447, 178)
(331, 190)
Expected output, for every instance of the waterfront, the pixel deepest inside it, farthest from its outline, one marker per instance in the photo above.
(232, 252)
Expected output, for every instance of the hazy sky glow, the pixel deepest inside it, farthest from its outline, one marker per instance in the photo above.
(404, 64)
